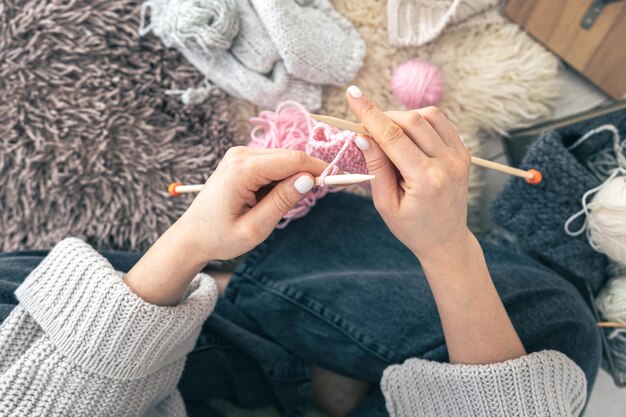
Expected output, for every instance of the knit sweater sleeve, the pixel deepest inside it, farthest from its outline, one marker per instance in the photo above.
(541, 384)
(80, 342)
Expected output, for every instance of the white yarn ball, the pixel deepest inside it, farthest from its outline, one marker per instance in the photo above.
(606, 220)
(611, 301)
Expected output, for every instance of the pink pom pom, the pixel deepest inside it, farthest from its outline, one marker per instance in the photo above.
(417, 84)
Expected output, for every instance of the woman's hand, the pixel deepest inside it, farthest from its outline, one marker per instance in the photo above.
(422, 169)
(239, 206)
(235, 211)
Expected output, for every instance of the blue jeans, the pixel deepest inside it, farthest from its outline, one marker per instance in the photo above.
(337, 290)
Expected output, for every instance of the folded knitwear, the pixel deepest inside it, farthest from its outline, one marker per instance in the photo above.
(263, 51)
(417, 22)
(536, 214)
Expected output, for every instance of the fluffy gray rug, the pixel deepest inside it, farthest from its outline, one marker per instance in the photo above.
(88, 138)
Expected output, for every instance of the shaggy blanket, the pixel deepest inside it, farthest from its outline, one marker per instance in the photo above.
(89, 140)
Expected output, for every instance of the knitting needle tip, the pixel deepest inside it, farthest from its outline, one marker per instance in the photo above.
(536, 178)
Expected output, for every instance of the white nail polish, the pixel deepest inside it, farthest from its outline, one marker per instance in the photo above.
(355, 92)
(362, 143)
(304, 184)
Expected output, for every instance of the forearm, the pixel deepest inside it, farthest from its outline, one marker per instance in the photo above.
(78, 325)
(476, 326)
(163, 274)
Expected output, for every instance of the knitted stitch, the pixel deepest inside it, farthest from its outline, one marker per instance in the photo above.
(276, 53)
(81, 343)
(325, 143)
(536, 214)
(546, 383)
(212, 55)
(317, 44)
(417, 22)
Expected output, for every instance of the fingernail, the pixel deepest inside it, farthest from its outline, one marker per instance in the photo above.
(355, 92)
(362, 143)
(304, 184)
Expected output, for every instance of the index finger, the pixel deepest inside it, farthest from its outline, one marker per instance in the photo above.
(400, 149)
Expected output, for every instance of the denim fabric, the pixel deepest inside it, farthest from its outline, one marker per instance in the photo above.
(341, 292)
(337, 290)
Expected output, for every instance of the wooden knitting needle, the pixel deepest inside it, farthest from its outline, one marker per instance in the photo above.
(532, 176)
(611, 324)
(175, 189)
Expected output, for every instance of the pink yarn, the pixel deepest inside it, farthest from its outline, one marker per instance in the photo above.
(326, 142)
(417, 84)
(290, 127)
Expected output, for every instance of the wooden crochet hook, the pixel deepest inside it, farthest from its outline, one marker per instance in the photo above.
(175, 189)
(532, 176)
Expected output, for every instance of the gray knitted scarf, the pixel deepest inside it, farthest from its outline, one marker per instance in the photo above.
(88, 138)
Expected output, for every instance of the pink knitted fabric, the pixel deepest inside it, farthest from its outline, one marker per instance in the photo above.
(290, 127)
(326, 141)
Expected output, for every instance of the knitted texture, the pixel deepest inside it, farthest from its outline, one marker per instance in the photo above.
(89, 139)
(417, 22)
(81, 343)
(536, 214)
(317, 44)
(277, 51)
(326, 141)
(545, 383)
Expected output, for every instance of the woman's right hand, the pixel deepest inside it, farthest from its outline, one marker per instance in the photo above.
(247, 195)
(422, 168)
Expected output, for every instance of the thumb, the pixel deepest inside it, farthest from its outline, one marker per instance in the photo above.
(283, 197)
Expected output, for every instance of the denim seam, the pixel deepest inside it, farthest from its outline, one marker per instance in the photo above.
(346, 332)
(210, 347)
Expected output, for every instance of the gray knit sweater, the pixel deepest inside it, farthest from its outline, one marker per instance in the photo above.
(80, 343)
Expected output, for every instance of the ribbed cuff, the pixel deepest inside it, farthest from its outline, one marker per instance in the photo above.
(545, 383)
(96, 321)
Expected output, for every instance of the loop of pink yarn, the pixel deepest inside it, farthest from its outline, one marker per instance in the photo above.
(290, 127)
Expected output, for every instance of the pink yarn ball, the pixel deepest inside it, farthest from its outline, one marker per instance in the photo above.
(417, 84)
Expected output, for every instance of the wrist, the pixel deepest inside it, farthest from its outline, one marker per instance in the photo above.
(164, 272)
(193, 246)
(456, 250)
